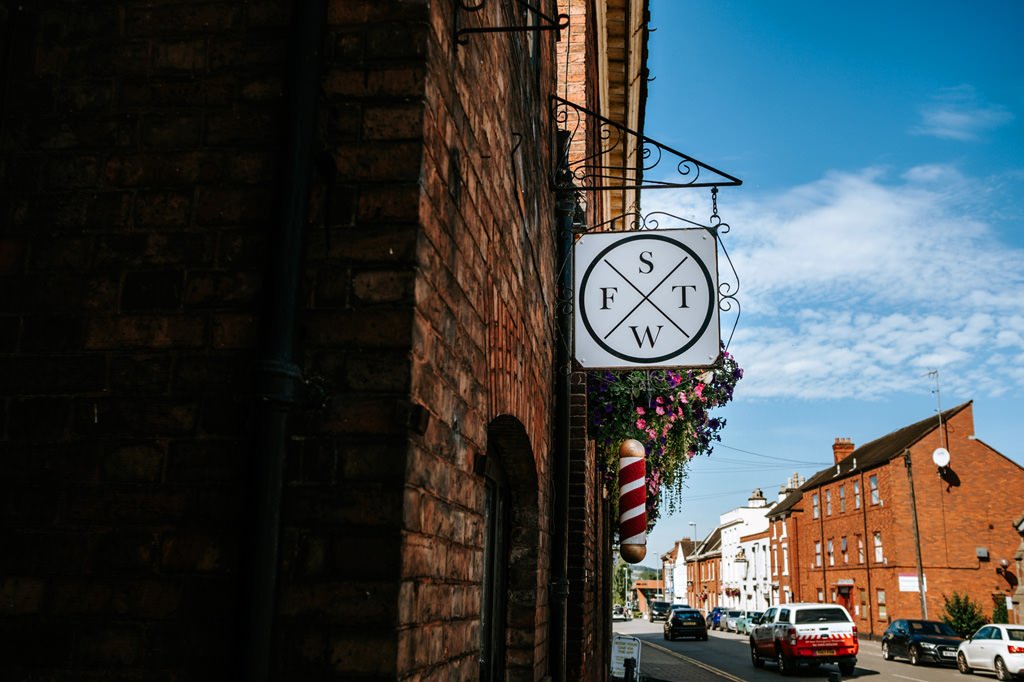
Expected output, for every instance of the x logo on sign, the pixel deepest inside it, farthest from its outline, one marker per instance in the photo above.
(646, 297)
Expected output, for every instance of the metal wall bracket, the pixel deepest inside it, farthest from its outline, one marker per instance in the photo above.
(540, 22)
(595, 173)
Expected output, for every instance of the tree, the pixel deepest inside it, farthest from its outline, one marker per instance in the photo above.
(962, 614)
(1000, 613)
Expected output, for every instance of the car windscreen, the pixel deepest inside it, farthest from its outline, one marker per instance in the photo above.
(822, 615)
(931, 627)
(687, 614)
(1016, 634)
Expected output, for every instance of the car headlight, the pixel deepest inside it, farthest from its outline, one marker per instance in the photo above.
(927, 645)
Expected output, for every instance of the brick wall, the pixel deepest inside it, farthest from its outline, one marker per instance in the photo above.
(140, 152)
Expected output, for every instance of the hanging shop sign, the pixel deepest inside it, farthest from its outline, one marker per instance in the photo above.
(646, 299)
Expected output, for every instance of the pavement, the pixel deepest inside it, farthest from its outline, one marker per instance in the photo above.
(658, 664)
(661, 664)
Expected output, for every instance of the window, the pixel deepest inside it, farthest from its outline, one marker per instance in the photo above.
(879, 557)
(783, 615)
(815, 511)
(860, 550)
(873, 484)
(775, 560)
(882, 613)
(842, 499)
(821, 595)
(831, 555)
(828, 503)
(785, 560)
(843, 548)
(862, 608)
(817, 552)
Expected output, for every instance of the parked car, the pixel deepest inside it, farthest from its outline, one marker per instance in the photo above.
(728, 621)
(999, 648)
(659, 610)
(619, 612)
(715, 617)
(811, 634)
(746, 621)
(685, 622)
(920, 641)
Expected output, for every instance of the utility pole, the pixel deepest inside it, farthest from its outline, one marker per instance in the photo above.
(917, 537)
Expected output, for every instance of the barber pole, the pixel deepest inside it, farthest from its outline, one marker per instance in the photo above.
(632, 501)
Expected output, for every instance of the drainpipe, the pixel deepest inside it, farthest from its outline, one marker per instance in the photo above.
(564, 211)
(278, 379)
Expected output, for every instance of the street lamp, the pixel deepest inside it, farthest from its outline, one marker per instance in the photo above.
(693, 533)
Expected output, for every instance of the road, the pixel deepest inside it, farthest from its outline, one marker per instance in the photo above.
(727, 656)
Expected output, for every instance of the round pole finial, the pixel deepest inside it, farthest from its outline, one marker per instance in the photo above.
(631, 448)
(633, 553)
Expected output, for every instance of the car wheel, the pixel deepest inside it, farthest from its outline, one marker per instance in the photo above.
(886, 654)
(787, 666)
(754, 658)
(961, 664)
(915, 656)
(1001, 672)
(846, 668)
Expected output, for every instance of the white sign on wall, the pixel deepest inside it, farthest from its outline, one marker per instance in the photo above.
(908, 582)
(646, 299)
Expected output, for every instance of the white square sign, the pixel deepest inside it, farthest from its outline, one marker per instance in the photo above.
(646, 299)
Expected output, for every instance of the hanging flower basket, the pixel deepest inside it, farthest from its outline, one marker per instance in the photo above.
(666, 410)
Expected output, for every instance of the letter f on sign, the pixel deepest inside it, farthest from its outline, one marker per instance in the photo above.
(607, 297)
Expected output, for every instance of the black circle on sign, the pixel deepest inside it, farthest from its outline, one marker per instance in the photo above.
(685, 346)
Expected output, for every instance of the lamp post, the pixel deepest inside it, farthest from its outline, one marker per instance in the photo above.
(693, 533)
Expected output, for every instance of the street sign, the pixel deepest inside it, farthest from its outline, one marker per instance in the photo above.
(646, 299)
(624, 647)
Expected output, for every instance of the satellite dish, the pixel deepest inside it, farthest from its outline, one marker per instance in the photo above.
(941, 457)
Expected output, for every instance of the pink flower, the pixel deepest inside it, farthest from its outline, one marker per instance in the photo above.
(682, 397)
(640, 410)
(651, 433)
(659, 400)
(640, 423)
(659, 409)
(699, 390)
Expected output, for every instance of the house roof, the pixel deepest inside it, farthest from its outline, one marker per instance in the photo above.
(712, 545)
(868, 456)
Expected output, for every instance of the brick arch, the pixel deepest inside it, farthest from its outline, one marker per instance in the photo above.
(509, 445)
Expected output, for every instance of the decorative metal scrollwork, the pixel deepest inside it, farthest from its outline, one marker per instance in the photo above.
(542, 21)
(639, 156)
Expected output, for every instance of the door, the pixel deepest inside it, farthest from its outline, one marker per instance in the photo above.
(495, 578)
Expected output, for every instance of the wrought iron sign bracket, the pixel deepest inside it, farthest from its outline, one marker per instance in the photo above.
(595, 173)
(543, 22)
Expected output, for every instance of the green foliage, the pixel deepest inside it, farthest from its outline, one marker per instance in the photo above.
(1000, 614)
(962, 614)
(668, 412)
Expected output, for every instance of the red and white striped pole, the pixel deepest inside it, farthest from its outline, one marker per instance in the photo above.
(632, 501)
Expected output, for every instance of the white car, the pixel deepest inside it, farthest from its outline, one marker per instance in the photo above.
(999, 648)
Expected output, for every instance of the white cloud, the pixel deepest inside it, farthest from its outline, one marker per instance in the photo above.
(860, 283)
(959, 114)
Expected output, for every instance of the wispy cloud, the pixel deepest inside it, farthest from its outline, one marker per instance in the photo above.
(859, 283)
(960, 114)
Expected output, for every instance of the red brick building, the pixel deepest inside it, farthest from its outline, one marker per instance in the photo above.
(851, 534)
(704, 572)
(278, 340)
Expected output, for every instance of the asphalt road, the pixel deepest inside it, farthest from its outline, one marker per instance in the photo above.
(726, 656)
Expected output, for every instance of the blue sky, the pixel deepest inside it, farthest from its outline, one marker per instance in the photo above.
(879, 232)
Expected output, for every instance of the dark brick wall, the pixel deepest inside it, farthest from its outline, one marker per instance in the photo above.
(139, 161)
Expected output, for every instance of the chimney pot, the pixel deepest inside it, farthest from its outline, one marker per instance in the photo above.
(842, 449)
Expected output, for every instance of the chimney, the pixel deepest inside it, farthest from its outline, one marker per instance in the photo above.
(841, 449)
